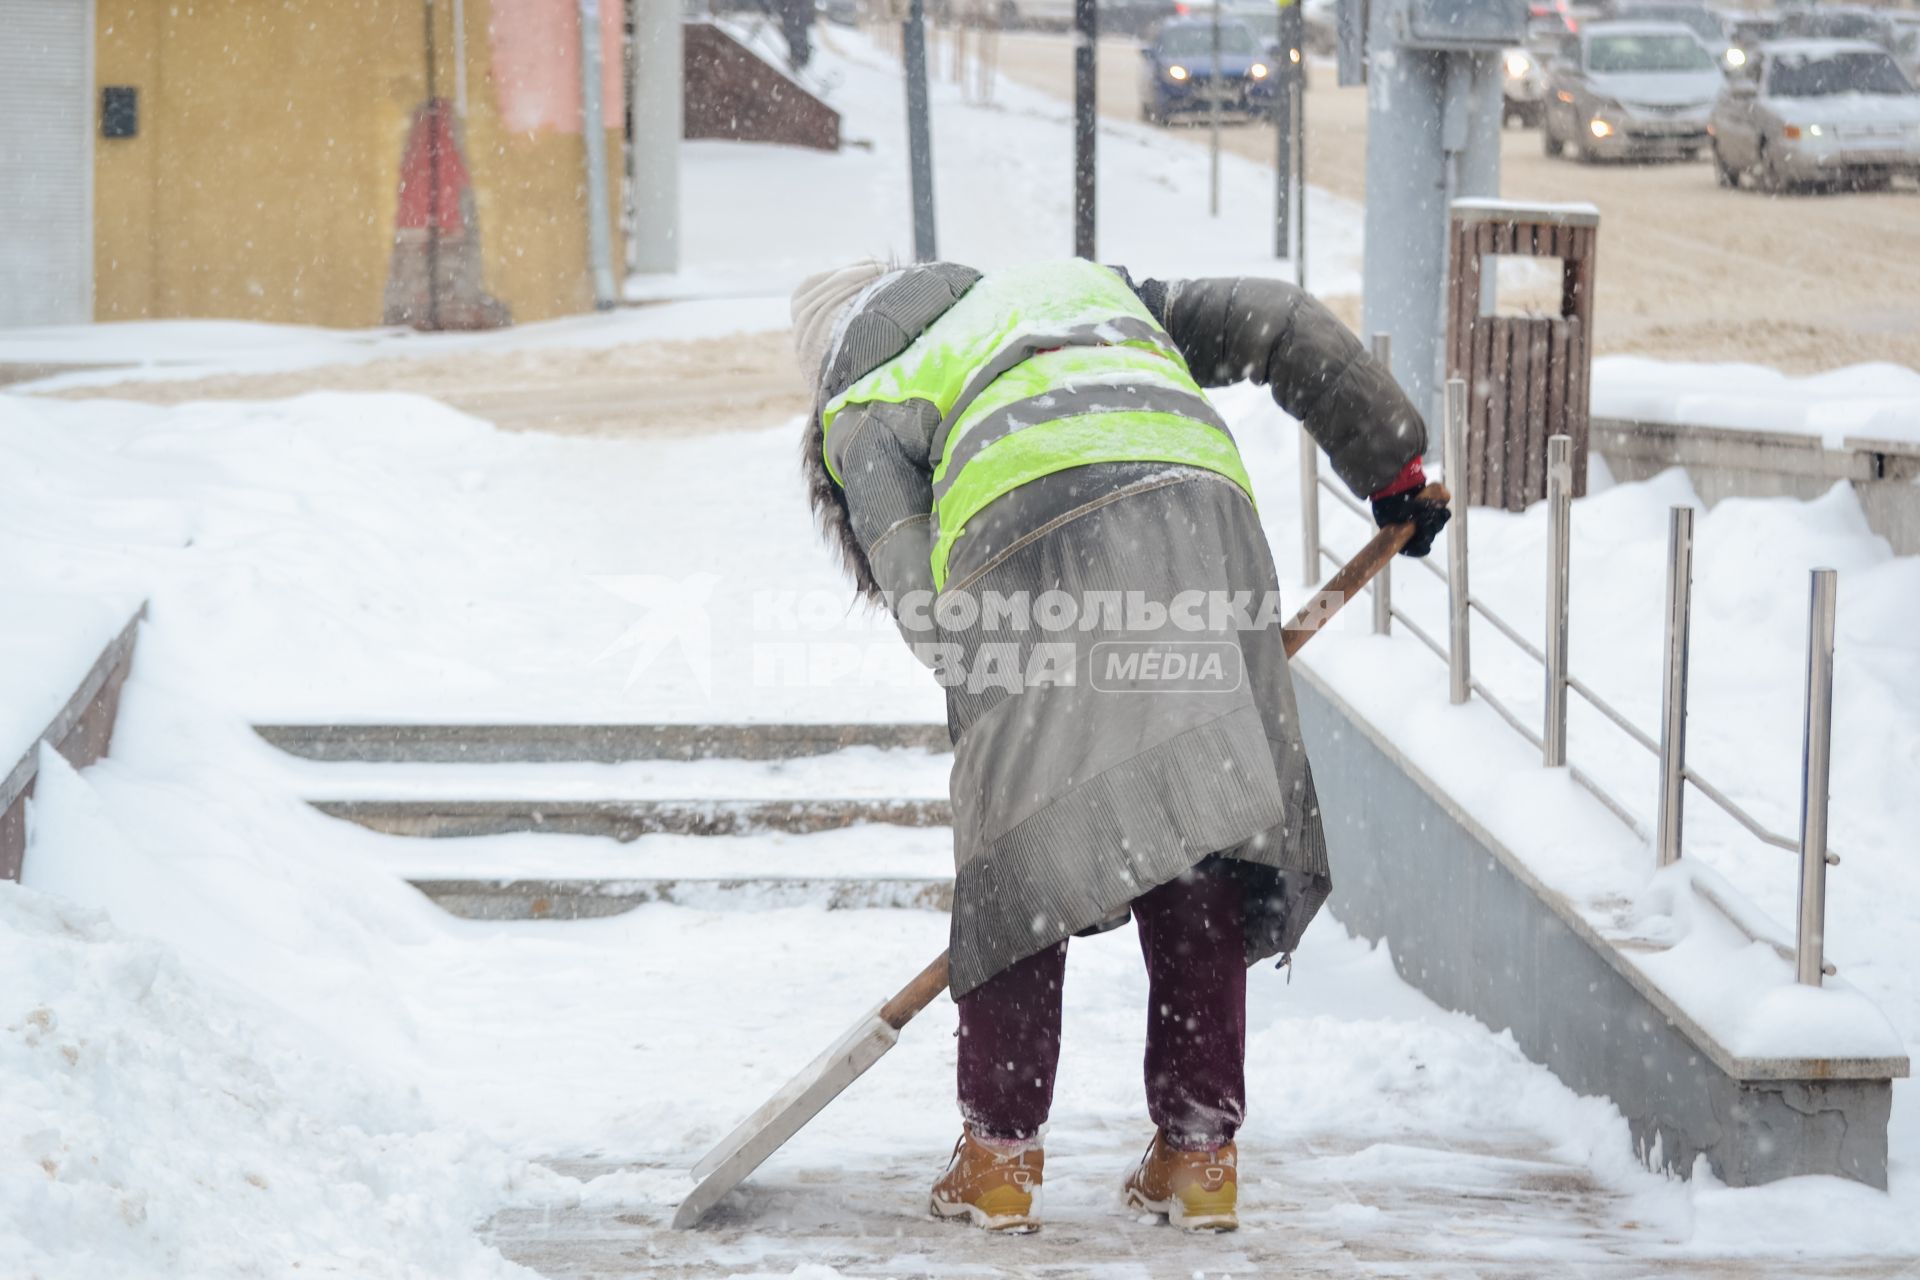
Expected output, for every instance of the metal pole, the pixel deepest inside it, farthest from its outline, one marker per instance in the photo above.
(1299, 93)
(593, 131)
(1815, 763)
(1213, 119)
(1309, 508)
(657, 95)
(1459, 659)
(433, 176)
(1383, 581)
(913, 37)
(1085, 42)
(1559, 552)
(1283, 161)
(1673, 693)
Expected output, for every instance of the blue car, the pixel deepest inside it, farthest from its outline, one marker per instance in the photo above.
(1178, 77)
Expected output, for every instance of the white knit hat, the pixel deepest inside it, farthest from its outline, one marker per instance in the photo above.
(818, 304)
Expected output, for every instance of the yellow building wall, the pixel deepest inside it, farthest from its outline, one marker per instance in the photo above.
(263, 183)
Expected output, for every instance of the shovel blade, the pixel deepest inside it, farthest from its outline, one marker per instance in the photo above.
(785, 1114)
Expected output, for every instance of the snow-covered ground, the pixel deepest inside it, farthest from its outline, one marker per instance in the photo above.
(383, 557)
(277, 1055)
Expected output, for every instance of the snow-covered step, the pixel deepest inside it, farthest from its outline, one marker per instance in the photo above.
(631, 819)
(535, 899)
(533, 876)
(599, 743)
(626, 799)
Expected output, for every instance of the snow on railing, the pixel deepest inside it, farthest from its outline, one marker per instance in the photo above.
(1809, 950)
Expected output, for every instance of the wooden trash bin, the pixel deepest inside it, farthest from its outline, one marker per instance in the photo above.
(1528, 375)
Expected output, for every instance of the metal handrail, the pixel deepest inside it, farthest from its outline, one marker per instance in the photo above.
(1587, 694)
(1670, 749)
(1399, 615)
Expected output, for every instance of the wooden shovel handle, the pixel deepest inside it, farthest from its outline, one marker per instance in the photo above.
(916, 995)
(1353, 576)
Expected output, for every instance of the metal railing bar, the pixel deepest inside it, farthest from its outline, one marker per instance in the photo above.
(1706, 788)
(1599, 793)
(1506, 629)
(1414, 629)
(1345, 499)
(1739, 815)
(1739, 920)
(1519, 726)
(1626, 726)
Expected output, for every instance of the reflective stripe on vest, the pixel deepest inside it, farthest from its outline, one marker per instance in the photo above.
(1037, 370)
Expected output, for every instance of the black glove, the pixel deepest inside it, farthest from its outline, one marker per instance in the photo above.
(1427, 517)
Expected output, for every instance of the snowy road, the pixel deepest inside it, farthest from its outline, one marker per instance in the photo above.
(1687, 271)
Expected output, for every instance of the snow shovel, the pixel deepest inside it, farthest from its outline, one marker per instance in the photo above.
(847, 1059)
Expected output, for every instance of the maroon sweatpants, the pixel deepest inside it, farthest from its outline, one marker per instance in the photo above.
(1190, 933)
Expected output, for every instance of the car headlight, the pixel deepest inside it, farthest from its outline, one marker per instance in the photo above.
(1518, 65)
(1736, 56)
(1176, 72)
(1258, 71)
(1599, 128)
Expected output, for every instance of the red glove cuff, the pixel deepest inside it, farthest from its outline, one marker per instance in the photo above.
(1411, 477)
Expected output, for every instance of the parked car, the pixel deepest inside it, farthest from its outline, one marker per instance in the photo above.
(1826, 111)
(1178, 76)
(1523, 89)
(1630, 90)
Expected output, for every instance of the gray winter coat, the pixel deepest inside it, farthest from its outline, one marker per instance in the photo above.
(1072, 798)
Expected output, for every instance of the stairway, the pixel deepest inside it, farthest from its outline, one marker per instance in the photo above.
(564, 822)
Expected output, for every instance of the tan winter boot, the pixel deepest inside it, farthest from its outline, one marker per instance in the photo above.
(995, 1185)
(1197, 1190)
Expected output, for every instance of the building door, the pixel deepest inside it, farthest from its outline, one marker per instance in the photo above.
(46, 161)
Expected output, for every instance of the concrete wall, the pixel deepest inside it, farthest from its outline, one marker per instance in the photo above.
(263, 183)
(1472, 928)
(1725, 462)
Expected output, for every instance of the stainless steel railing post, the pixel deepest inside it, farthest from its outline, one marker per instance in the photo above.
(1383, 581)
(1673, 691)
(1459, 658)
(1309, 508)
(1815, 765)
(1553, 737)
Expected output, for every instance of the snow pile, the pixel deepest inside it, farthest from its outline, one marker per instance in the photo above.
(149, 1126)
(373, 556)
(1872, 401)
